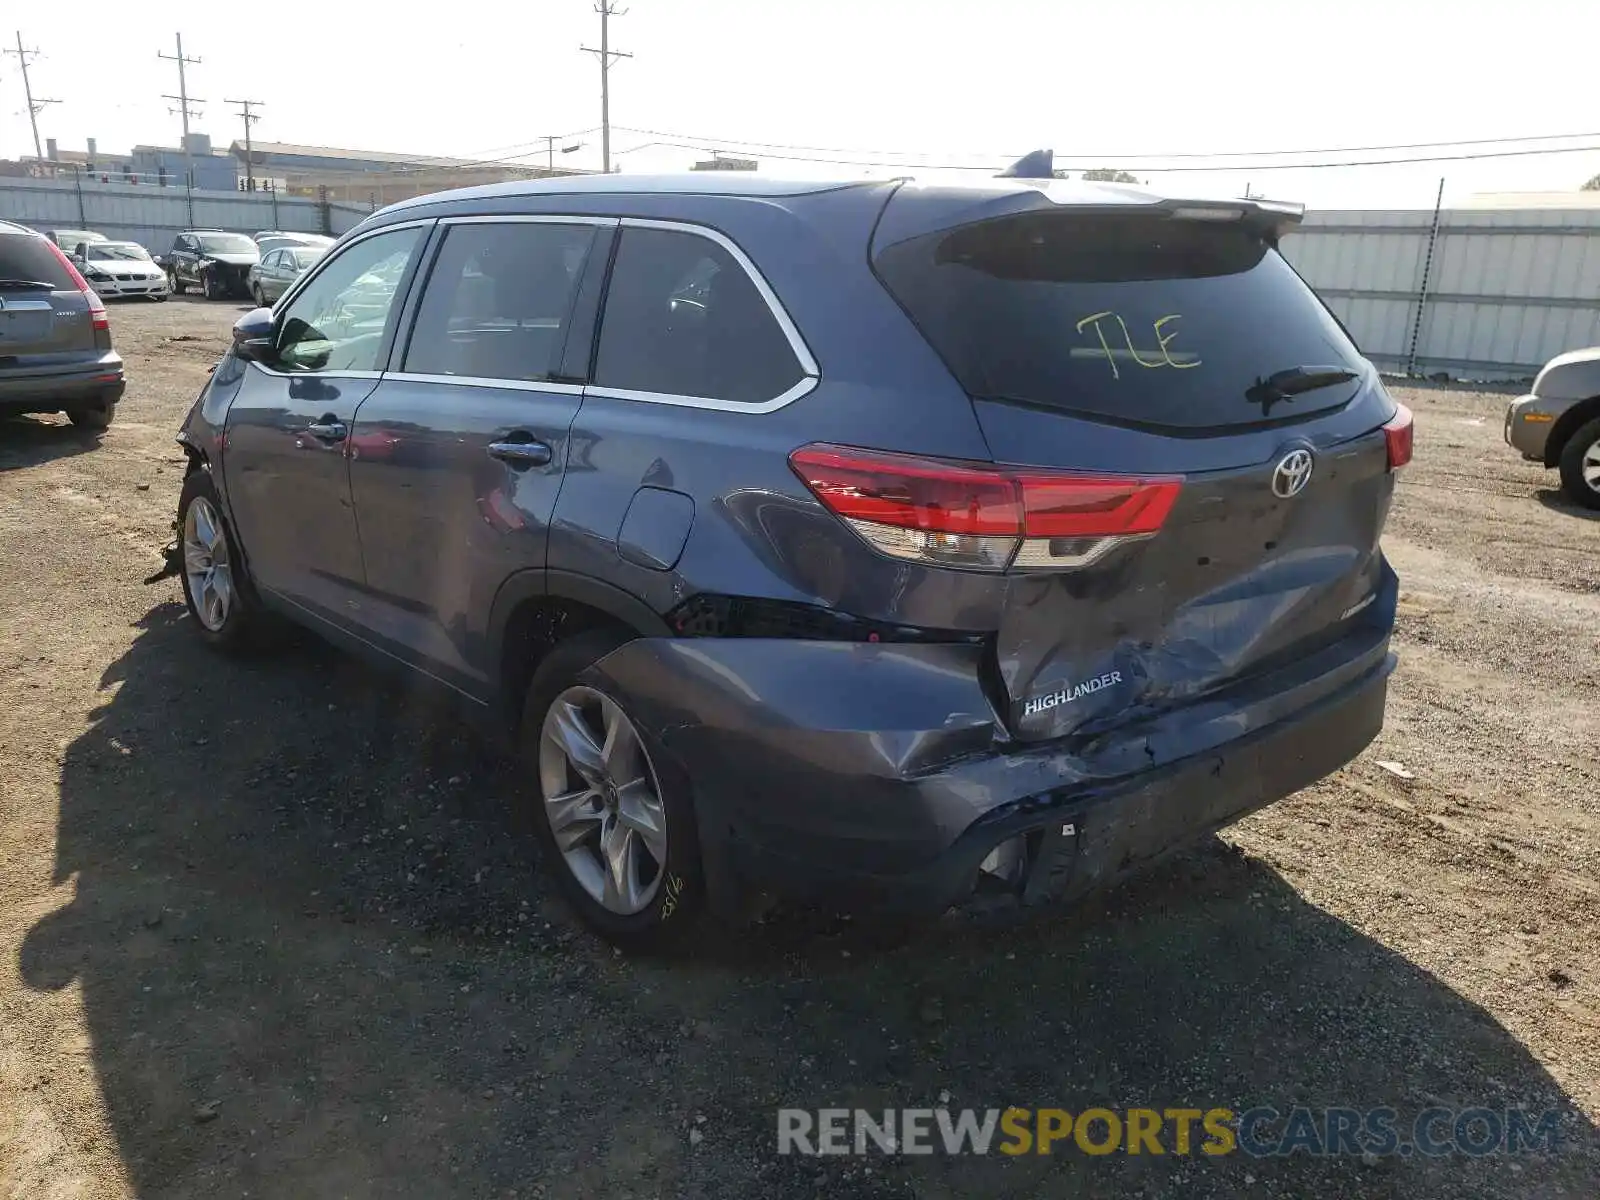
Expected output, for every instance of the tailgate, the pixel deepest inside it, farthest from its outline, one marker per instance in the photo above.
(1144, 344)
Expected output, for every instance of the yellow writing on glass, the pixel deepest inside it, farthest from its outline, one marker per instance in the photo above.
(1163, 340)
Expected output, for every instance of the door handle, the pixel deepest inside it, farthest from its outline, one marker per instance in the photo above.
(522, 454)
(328, 431)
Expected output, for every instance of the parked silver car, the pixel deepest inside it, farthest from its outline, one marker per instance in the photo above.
(1558, 423)
(271, 277)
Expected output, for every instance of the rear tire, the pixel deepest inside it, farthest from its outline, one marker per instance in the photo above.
(216, 586)
(98, 415)
(1580, 465)
(628, 798)
(258, 296)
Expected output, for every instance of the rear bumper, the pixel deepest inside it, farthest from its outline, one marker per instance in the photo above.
(1063, 842)
(51, 393)
(879, 776)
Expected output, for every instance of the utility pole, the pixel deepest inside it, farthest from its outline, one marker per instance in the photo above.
(35, 107)
(185, 105)
(605, 54)
(250, 119)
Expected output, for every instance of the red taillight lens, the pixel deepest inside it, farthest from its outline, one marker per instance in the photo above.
(1091, 506)
(97, 306)
(978, 516)
(1398, 433)
(912, 493)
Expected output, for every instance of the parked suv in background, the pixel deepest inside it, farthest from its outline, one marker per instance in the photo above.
(217, 263)
(55, 340)
(1558, 423)
(867, 542)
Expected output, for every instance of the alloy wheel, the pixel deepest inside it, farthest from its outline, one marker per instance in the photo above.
(1591, 466)
(603, 800)
(207, 564)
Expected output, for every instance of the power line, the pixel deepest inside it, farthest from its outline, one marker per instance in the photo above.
(534, 147)
(250, 119)
(605, 54)
(36, 105)
(1148, 169)
(697, 140)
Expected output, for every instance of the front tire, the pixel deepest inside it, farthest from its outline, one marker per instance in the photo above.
(216, 588)
(1580, 466)
(615, 819)
(176, 283)
(97, 415)
(213, 286)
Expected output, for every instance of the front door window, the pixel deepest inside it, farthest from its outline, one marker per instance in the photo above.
(340, 319)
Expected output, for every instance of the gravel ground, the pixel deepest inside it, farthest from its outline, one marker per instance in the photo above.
(273, 929)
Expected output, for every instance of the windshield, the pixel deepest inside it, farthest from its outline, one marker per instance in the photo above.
(226, 243)
(1136, 319)
(126, 251)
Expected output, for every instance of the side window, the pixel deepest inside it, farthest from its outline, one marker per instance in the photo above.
(338, 321)
(270, 262)
(498, 300)
(683, 318)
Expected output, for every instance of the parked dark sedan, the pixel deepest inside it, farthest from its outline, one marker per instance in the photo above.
(215, 262)
(863, 542)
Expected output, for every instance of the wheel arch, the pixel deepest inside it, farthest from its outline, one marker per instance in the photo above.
(1567, 424)
(536, 609)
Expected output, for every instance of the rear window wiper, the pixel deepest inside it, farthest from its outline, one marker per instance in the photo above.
(1294, 381)
(28, 283)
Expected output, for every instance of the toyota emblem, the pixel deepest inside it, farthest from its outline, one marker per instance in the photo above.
(1293, 472)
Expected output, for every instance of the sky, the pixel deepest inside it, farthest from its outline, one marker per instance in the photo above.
(888, 81)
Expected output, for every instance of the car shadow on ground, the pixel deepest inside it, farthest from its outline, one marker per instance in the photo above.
(1556, 500)
(315, 960)
(28, 441)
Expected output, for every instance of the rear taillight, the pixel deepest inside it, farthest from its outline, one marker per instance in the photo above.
(1398, 435)
(97, 307)
(981, 517)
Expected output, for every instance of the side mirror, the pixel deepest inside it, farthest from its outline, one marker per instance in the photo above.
(253, 336)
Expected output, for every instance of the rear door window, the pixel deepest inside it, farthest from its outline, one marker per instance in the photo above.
(26, 260)
(1137, 319)
(683, 319)
(498, 300)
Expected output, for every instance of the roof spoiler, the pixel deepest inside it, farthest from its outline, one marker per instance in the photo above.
(1040, 164)
(1276, 217)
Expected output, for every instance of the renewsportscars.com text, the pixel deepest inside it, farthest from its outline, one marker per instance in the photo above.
(1259, 1132)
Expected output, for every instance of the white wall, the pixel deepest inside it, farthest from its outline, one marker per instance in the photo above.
(151, 215)
(1508, 289)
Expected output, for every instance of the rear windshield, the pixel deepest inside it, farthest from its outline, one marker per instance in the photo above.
(1136, 319)
(28, 259)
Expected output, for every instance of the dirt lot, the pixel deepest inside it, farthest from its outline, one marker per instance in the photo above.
(270, 929)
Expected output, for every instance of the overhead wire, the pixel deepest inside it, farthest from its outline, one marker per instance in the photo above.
(699, 141)
(1150, 168)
